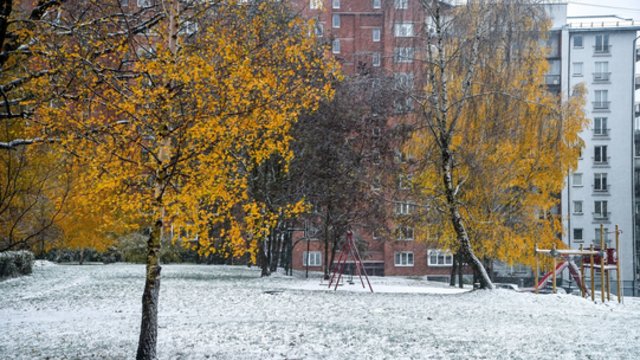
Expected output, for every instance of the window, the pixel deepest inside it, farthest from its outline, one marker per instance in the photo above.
(335, 4)
(403, 55)
(335, 20)
(188, 28)
(440, 258)
(403, 29)
(578, 236)
(377, 4)
(375, 34)
(577, 207)
(319, 29)
(403, 258)
(602, 71)
(600, 207)
(600, 154)
(145, 3)
(311, 258)
(404, 233)
(401, 4)
(600, 182)
(602, 43)
(124, 2)
(605, 236)
(600, 126)
(577, 69)
(404, 181)
(576, 179)
(315, 4)
(335, 46)
(577, 41)
(376, 61)
(602, 97)
(405, 208)
(403, 81)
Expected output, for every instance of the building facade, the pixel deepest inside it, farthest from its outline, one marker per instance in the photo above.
(600, 53)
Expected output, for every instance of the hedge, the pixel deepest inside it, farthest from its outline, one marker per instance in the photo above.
(15, 263)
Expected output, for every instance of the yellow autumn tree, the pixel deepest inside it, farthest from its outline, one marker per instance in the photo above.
(171, 123)
(494, 142)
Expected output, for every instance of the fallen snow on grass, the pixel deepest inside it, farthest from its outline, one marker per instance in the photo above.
(218, 312)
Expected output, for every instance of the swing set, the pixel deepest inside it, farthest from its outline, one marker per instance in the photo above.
(603, 259)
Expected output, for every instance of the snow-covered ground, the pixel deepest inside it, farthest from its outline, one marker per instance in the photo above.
(217, 312)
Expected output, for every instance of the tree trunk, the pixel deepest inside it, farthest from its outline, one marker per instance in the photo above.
(263, 260)
(466, 251)
(149, 327)
(81, 260)
(460, 270)
(327, 263)
(452, 279)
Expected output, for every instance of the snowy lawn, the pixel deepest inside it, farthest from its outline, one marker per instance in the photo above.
(216, 312)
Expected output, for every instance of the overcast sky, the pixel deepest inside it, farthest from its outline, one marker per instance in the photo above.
(623, 8)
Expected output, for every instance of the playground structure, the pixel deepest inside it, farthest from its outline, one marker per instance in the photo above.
(603, 259)
(349, 249)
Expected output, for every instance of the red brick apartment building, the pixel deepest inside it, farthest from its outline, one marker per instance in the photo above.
(382, 36)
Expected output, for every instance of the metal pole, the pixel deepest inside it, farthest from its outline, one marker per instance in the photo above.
(582, 277)
(554, 270)
(306, 274)
(618, 263)
(592, 273)
(602, 253)
(537, 269)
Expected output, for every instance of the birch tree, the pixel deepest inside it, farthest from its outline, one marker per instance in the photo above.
(494, 143)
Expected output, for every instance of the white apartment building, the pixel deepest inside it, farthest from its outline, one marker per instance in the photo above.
(601, 52)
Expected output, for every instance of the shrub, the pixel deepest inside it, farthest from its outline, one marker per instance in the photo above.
(15, 263)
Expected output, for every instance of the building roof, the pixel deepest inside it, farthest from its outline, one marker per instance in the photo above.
(600, 22)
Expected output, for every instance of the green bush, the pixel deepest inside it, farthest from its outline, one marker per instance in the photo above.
(15, 263)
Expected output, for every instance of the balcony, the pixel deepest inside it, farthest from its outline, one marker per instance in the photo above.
(600, 162)
(601, 77)
(601, 133)
(602, 50)
(601, 105)
(602, 190)
(601, 216)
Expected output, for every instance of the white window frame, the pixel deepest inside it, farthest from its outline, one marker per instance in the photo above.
(335, 21)
(144, 3)
(601, 72)
(576, 239)
(314, 257)
(401, 4)
(377, 4)
(600, 126)
(315, 4)
(575, 37)
(403, 29)
(577, 207)
(600, 182)
(601, 100)
(604, 44)
(335, 4)
(576, 180)
(405, 181)
(405, 233)
(600, 209)
(600, 154)
(578, 68)
(403, 55)
(376, 34)
(597, 236)
(404, 208)
(403, 259)
(439, 258)
(335, 46)
(376, 61)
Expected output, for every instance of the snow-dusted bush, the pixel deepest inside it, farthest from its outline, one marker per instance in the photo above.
(15, 263)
